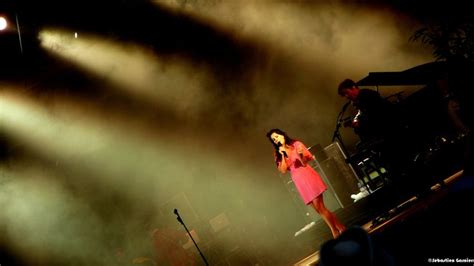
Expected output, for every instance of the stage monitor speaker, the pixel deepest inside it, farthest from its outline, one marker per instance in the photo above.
(339, 176)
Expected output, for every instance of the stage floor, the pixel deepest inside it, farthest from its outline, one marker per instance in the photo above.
(386, 226)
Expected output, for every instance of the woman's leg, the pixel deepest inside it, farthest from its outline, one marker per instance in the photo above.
(330, 219)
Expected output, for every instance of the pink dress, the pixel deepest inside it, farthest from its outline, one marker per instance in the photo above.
(306, 179)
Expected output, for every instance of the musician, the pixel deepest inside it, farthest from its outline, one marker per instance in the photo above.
(379, 129)
(375, 114)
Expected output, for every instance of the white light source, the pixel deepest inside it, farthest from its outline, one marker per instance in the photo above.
(3, 23)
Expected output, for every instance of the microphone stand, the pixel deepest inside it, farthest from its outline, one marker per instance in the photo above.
(181, 222)
(336, 134)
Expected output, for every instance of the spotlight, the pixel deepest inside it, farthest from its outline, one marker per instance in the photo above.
(3, 23)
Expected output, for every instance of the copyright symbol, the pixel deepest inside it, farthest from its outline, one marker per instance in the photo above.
(429, 260)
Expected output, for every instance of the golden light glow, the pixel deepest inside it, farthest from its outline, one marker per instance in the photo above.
(107, 162)
(41, 217)
(100, 152)
(171, 83)
(340, 35)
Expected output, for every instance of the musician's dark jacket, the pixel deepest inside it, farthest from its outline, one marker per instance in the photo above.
(377, 117)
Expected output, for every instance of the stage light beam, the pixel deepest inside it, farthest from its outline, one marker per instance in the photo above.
(172, 83)
(114, 157)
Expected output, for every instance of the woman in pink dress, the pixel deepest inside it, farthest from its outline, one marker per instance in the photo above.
(292, 155)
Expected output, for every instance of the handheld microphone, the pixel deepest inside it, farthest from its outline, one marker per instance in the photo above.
(284, 152)
(176, 211)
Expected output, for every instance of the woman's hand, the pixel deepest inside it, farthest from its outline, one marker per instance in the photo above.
(282, 151)
(302, 159)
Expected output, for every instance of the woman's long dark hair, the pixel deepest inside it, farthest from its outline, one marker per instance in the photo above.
(288, 141)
